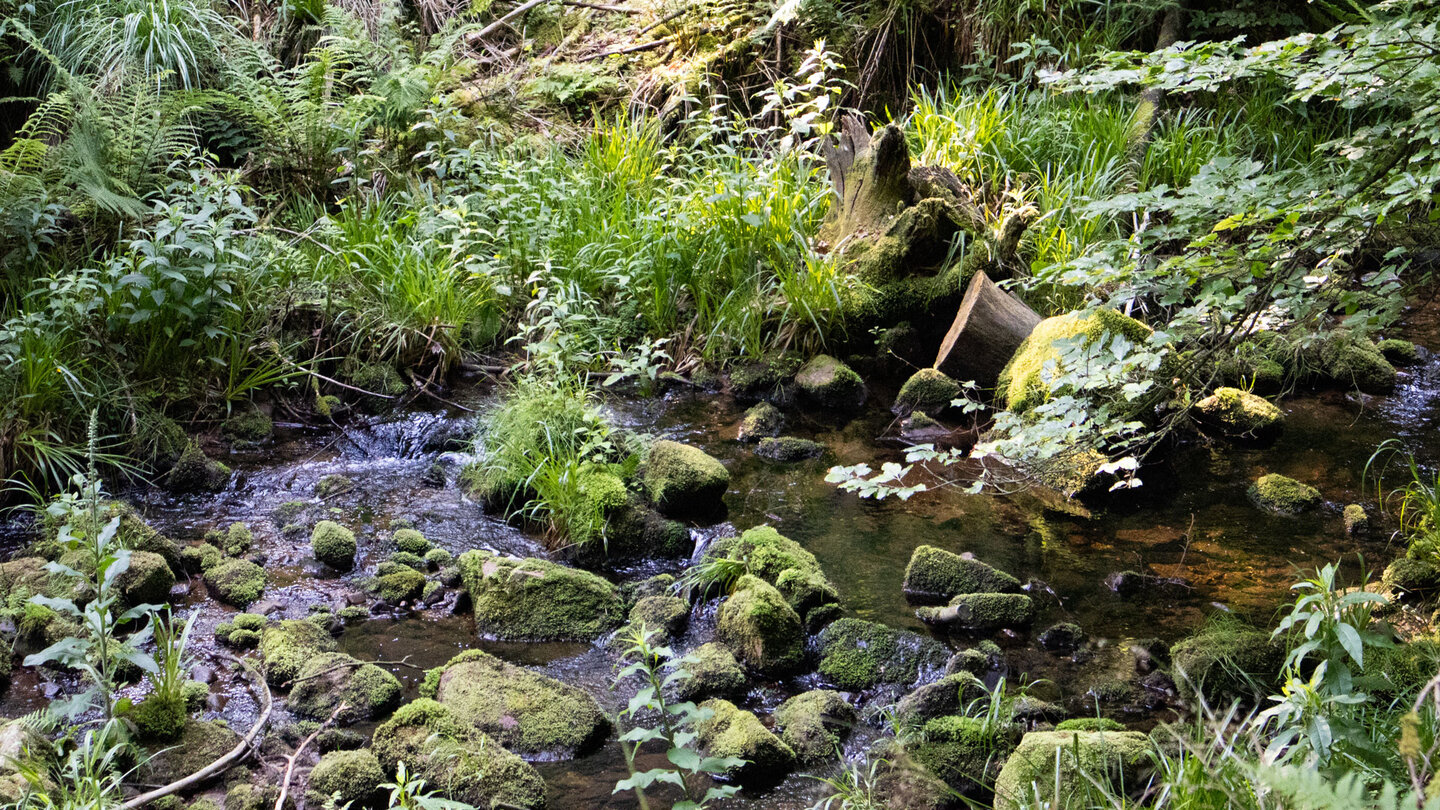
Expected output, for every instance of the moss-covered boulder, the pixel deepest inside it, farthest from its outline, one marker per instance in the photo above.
(638, 531)
(1024, 382)
(531, 714)
(825, 382)
(198, 745)
(811, 594)
(668, 614)
(1284, 495)
(250, 796)
(935, 575)
(1357, 521)
(333, 545)
(734, 732)
(196, 472)
(236, 582)
(904, 784)
(684, 481)
(963, 751)
(714, 672)
(1065, 761)
(814, 724)
(287, 646)
(329, 679)
(411, 541)
(456, 759)
(952, 694)
(786, 564)
(160, 718)
(1399, 352)
(537, 600)
(1062, 637)
(928, 390)
(350, 777)
(402, 585)
(1410, 578)
(1225, 661)
(332, 485)
(1355, 362)
(1239, 414)
(761, 421)
(856, 654)
(981, 612)
(760, 626)
(201, 558)
(147, 580)
(789, 449)
(247, 428)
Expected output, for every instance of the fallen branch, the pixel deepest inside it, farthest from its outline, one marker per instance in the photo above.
(295, 757)
(313, 373)
(220, 765)
(644, 46)
(500, 23)
(667, 18)
(602, 7)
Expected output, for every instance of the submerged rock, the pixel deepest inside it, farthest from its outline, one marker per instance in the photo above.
(684, 481)
(352, 777)
(761, 421)
(1053, 765)
(856, 654)
(333, 545)
(329, 679)
(789, 449)
(928, 390)
(828, 383)
(537, 600)
(734, 732)
(1284, 495)
(1240, 414)
(529, 713)
(197, 472)
(1063, 637)
(982, 611)
(456, 759)
(332, 485)
(1356, 520)
(814, 724)
(936, 575)
(760, 626)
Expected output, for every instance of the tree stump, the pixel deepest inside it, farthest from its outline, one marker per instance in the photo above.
(989, 327)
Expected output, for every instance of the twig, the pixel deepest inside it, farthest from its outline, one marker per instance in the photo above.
(403, 662)
(644, 46)
(295, 757)
(667, 18)
(236, 754)
(602, 7)
(312, 372)
(498, 24)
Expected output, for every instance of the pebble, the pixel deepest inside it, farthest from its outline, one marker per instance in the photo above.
(180, 589)
(216, 702)
(267, 606)
(202, 673)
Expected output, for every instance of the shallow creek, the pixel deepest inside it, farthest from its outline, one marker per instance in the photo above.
(1197, 526)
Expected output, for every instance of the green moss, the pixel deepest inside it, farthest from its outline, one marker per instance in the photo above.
(935, 575)
(1226, 660)
(437, 558)
(160, 718)
(194, 694)
(761, 421)
(1284, 495)
(713, 672)
(403, 585)
(1089, 724)
(1049, 761)
(236, 582)
(766, 378)
(238, 539)
(197, 559)
(684, 481)
(529, 713)
(376, 378)
(814, 724)
(352, 777)
(1023, 384)
(288, 512)
(952, 694)
(411, 541)
(667, 614)
(789, 449)
(408, 559)
(927, 390)
(1401, 670)
(247, 796)
(1399, 352)
(962, 752)
(457, 760)
(1356, 520)
(733, 732)
(198, 745)
(858, 654)
(1239, 413)
(334, 484)
(248, 427)
(333, 545)
(329, 679)
(197, 472)
(147, 580)
(636, 531)
(828, 383)
(537, 600)
(1063, 637)
(288, 645)
(763, 630)
(1412, 578)
(982, 611)
(811, 595)
(1355, 362)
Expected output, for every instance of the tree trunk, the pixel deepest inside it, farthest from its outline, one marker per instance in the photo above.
(990, 325)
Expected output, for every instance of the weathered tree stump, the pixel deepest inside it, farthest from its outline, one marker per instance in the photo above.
(988, 328)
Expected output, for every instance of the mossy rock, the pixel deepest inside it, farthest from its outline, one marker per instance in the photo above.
(536, 600)
(1240, 414)
(963, 752)
(764, 379)
(684, 481)
(1023, 385)
(637, 531)
(457, 760)
(760, 626)
(825, 382)
(201, 558)
(160, 718)
(734, 732)
(1402, 669)
(247, 428)
(1357, 521)
(329, 679)
(408, 559)
(1063, 637)
(1047, 761)
(1355, 362)
(249, 796)
(1284, 495)
(668, 614)
(411, 541)
(351, 777)
(812, 596)
(982, 612)
(928, 390)
(147, 580)
(198, 745)
(1224, 661)
(761, 421)
(330, 486)
(288, 645)
(1089, 724)
(903, 784)
(856, 654)
(531, 714)
(814, 724)
(789, 449)
(1412, 578)
(394, 587)
(196, 472)
(1399, 352)
(333, 545)
(935, 575)
(714, 672)
(952, 694)
(437, 558)
(238, 539)
(786, 564)
(236, 582)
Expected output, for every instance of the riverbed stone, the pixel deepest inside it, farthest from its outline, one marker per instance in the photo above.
(815, 724)
(1117, 757)
(789, 449)
(196, 472)
(812, 596)
(531, 714)
(288, 645)
(949, 695)
(904, 784)
(455, 758)
(761, 421)
(935, 575)
(333, 545)
(668, 614)
(1225, 661)
(332, 485)
(236, 582)
(733, 732)
(1239, 414)
(928, 390)
(1356, 519)
(328, 679)
(760, 626)
(537, 600)
(982, 612)
(147, 580)
(1063, 637)
(1399, 352)
(352, 777)
(1353, 361)
(856, 654)
(411, 541)
(638, 531)
(1284, 495)
(402, 585)
(247, 428)
(684, 481)
(826, 382)
(1412, 578)
(786, 564)
(714, 672)
(962, 751)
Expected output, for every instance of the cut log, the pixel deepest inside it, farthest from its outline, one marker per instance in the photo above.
(990, 325)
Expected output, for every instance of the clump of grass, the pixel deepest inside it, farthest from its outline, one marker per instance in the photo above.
(1415, 501)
